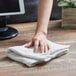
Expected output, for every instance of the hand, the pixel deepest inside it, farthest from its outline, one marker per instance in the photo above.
(39, 41)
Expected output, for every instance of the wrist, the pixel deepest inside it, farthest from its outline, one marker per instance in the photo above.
(41, 32)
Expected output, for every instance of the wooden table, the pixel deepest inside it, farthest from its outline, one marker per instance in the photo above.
(63, 66)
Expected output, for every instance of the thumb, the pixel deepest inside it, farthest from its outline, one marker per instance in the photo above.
(28, 45)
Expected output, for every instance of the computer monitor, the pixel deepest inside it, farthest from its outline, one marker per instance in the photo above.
(9, 7)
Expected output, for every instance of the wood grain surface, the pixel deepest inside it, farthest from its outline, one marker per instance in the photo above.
(69, 17)
(63, 66)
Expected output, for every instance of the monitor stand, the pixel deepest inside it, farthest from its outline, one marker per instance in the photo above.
(6, 32)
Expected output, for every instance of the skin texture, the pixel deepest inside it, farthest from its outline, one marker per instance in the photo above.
(39, 41)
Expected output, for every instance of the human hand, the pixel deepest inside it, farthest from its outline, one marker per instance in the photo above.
(39, 41)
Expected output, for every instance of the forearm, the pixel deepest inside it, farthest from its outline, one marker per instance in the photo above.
(44, 11)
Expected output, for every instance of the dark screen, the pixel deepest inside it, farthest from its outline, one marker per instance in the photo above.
(7, 6)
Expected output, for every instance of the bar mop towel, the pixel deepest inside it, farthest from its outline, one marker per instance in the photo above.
(28, 57)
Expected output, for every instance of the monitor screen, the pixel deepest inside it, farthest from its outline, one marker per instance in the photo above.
(11, 7)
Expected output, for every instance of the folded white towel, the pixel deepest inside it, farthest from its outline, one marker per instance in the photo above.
(28, 57)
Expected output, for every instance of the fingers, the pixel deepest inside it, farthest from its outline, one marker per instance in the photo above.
(36, 45)
(28, 45)
(44, 47)
(41, 47)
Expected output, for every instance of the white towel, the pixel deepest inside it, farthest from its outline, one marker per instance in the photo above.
(28, 57)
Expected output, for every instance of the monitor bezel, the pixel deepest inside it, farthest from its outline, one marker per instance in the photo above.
(22, 10)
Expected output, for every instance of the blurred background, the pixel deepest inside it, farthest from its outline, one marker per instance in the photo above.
(31, 7)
